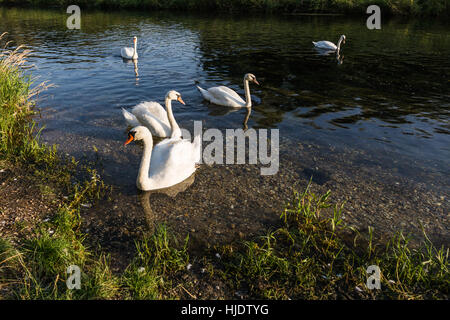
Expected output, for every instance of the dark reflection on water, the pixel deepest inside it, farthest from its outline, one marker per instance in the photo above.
(390, 93)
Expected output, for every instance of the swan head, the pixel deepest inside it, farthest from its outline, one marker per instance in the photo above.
(173, 95)
(251, 78)
(343, 38)
(138, 133)
(134, 39)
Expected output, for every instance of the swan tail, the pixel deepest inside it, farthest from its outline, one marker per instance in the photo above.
(204, 93)
(130, 118)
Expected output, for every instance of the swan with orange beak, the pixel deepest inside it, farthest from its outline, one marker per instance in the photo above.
(166, 164)
(152, 115)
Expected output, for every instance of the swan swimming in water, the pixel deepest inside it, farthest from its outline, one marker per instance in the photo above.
(224, 96)
(167, 163)
(327, 45)
(152, 115)
(130, 53)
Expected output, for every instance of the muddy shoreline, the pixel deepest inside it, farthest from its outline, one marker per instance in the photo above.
(225, 203)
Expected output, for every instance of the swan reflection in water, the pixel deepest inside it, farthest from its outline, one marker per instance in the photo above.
(247, 116)
(325, 52)
(153, 219)
(136, 69)
(339, 58)
(223, 112)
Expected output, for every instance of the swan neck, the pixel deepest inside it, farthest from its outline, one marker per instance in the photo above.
(135, 49)
(173, 124)
(248, 98)
(339, 44)
(144, 168)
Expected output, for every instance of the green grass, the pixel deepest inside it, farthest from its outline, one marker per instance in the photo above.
(402, 7)
(159, 258)
(18, 139)
(316, 256)
(35, 268)
(38, 270)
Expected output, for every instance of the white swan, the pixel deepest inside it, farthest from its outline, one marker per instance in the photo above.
(160, 122)
(327, 45)
(227, 97)
(166, 164)
(130, 53)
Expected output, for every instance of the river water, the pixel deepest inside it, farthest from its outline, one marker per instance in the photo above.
(371, 125)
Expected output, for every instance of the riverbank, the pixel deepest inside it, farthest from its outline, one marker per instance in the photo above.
(391, 7)
(310, 253)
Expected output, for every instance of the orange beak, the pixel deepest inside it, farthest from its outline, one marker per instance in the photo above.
(181, 101)
(130, 138)
(256, 82)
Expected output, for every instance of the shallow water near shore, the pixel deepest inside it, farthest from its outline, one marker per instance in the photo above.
(372, 126)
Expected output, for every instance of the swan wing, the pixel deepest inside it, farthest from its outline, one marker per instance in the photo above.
(225, 96)
(222, 90)
(172, 162)
(154, 108)
(130, 118)
(325, 45)
(154, 117)
(156, 126)
(127, 53)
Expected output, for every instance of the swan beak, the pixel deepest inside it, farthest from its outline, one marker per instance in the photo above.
(130, 138)
(255, 81)
(181, 101)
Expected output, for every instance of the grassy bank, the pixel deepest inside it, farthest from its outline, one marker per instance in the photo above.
(33, 264)
(396, 7)
(316, 256)
(313, 255)
(18, 137)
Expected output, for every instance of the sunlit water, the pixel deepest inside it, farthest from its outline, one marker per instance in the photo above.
(382, 108)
